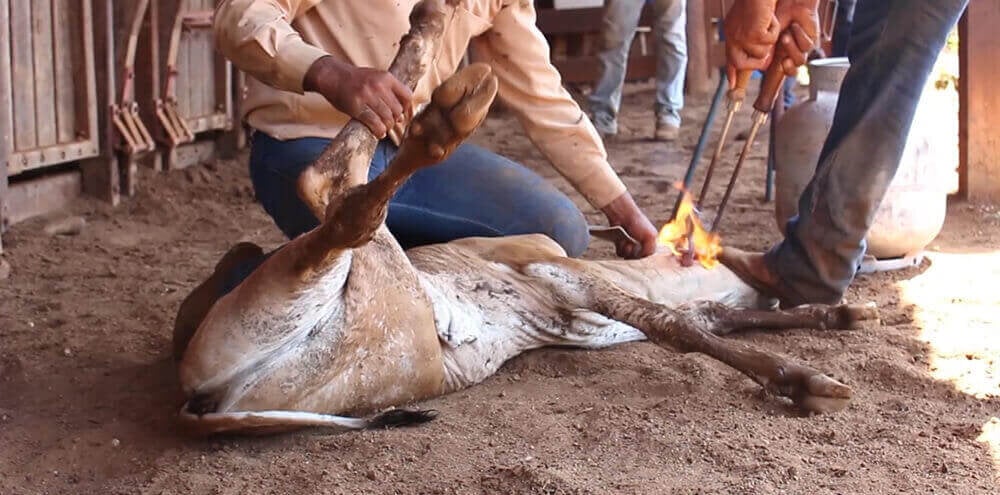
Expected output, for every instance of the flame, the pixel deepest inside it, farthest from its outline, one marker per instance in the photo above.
(685, 232)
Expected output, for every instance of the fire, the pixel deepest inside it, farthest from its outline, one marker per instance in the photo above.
(685, 235)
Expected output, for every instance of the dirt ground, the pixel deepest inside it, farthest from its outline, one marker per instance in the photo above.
(87, 391)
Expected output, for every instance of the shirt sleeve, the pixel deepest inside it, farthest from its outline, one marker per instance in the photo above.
(257, 36)
(532, 88)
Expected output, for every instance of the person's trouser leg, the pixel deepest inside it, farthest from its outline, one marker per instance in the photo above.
(621, 17)
(893, 47)
(842, 27)
(788, 92)
(670, 32)
(477, 193)
(473, 193)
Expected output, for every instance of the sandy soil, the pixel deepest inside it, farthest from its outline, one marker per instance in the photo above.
(87, 391)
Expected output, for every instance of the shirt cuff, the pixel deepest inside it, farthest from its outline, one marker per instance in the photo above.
(601, 187)
(294, 61)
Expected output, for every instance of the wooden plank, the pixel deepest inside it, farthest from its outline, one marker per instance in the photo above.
(123, 14)
(183, 79)
(979, 143)
(84, 73)
(44, 194)
(207, 81)
(191, 154)
(715, 12)
(554, 22)
(204, 81)
(235, 139)
(203, 75)
(585, 69)
(62, 47)
(148, 78)
(45, 90)
(162, 19)
(22, 161)
(101, 176)
(23, 73)
(699, 72)
(6, 117)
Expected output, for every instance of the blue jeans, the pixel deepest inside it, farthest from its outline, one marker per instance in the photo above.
(620, 21)
(893, 47)
(474, 193)
(842, 27)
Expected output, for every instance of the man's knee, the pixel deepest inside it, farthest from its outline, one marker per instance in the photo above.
(275, 166)
(568, 228)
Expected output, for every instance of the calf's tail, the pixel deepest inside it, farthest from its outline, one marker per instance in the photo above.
(268, 422)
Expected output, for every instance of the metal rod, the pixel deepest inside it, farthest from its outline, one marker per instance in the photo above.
(759, 118)
(769, 174)
(734, 107)
(706, 129)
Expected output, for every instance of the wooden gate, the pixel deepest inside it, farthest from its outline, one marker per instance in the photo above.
(48, 107)
(196, 87)
(51, 82)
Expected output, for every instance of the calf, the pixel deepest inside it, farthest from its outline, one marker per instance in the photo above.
(341, 321)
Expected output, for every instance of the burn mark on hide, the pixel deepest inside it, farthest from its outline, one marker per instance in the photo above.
(488, 287)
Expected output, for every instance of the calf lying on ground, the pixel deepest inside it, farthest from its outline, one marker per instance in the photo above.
(342, 321)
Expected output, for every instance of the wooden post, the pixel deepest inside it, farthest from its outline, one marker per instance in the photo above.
(6, 117)
(148, 78)
(979, 107)
(699, 74)
(232, 141)
(100, 174)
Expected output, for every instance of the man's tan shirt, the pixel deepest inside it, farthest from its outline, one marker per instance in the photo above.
(276, 41)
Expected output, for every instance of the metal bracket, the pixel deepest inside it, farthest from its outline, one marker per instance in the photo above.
(135, 137)
(173, 124)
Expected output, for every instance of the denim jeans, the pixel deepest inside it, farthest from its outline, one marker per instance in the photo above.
(474, 193)
(620, 21)
(892, 48)
(842, 27)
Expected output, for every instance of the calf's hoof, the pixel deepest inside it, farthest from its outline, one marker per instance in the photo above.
(850, 316)
(810, 390)
(456, 109)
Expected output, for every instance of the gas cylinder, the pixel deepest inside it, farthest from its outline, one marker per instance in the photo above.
(912, 212)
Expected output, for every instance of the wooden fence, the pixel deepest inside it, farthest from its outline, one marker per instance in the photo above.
(90, 90)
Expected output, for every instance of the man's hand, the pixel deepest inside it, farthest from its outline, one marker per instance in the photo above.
(374, 97)
(624, 212)
(799, 24)
(751, 29)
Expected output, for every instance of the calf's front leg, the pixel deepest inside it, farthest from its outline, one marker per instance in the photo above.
(696, 326)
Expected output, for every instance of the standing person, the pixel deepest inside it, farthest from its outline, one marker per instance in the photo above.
(893, 47)
(621, 18)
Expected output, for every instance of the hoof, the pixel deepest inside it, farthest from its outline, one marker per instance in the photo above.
(456, 109)
(824, 395)
(810, 390)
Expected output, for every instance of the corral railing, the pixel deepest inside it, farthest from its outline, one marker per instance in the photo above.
(90, 90)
